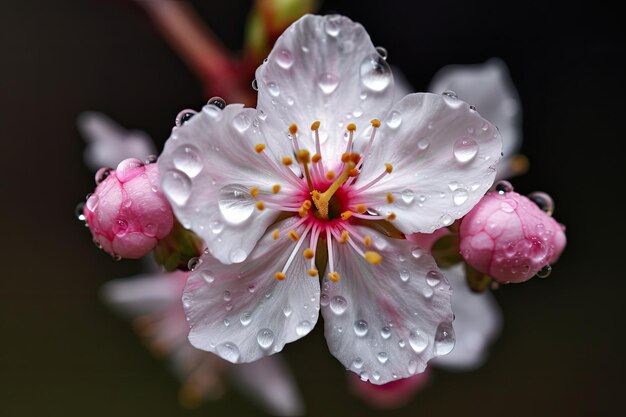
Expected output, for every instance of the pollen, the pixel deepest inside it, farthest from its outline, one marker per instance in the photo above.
(275, 188)
(345, 157)
(315, 125)
(254, 191)
(280, 276)
(259, 148)
(308, 253)
(260, 205)
(355, 157)
(293, 128)
(351, 127)
(346, 215)
(367, 241)
(389, 198)
(330, 175)
(344, 236)
(312, 272)
(375, 122)
(302, 212)
(304, 156)
(361, 208)
(388, 168)
(287, 161)
(316, 158)
(373, 257)
(275, 234)
(307, 204)
(293, 235)
(391, 216)
(353, 172)
(334, 276)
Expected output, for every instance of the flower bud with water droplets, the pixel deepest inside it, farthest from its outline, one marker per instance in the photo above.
(508, 237)
(127, 213)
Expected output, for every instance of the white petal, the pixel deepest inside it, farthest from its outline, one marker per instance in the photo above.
(241, 312)
(477, 323)
(207, 169)
(443, 155)
(489, 87)
(387, 321)
(109, 143)
(271, 383)
(323, 68)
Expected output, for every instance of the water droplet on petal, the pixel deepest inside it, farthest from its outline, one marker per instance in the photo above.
(394, 120)
(433, 278)
(459, 196)
(375, 73)
(265, 338)
(327, 82)
(405, 275)
(450, 93)
(183, 116)
(273, 89)
(385, 332)
(120, 226)
(543, 201)
(465, 149)
(238, 255)
(287, 311)
(423, 144)
(235, 203)
(503, 187)
(408, 196)
(207, 277)
(506, 207)
(242, 122)
(177, 186)
(382, 357)
(361, 328)
(412, 367)
(382, 52)
(187, 159)
(338, 305)
(255, 85)
(193, 263)
(284, 59)
(417, 341)
(446, 220)
(92, 202)
(303, 328)
(544, 272)
(228, 351)
(357, 363)
(401, 343)
(444, 339)
(78, 212)
(216, 226)
(102, 174)
(417, 252)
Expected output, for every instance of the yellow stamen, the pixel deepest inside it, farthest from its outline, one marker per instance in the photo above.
(388, 168)
(293, 235)
(355, 157)
(302, 212)
(321, 200)
(307, 204)
(344, 236)
(330, 175)
(367, 241)
(312, 272)
(373, 257)
(391, 216)
(315, 125)
(334, 276)
(275, 188)
(260, 205)
(275, 234)
(389, 198)
(375, 122)
(293, 128)
(346, 215)
(316, 158)
(353, 173)
(304, 156)
(351, 127)
(254, 191)
(259, 148)
(361, 208)
(280, 276)
(287, 161)
(345, 157)
(308, 253)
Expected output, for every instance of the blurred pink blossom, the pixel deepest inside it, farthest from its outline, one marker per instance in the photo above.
(391, 395)
(508, 237)
(127, 213)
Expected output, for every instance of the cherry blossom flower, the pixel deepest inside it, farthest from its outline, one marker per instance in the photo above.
(280, 206)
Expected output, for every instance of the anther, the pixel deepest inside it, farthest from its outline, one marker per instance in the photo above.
(254, 191)
(287, 161)
(308, 253)
(367, 241)
(355, 157)
(259, 148)
(260, 205)
(375, 122)
(361, 208)
(344, 236)
(346, 215)
(315, 125)
(293, 235)
(330, 175)
(391, 216)
(275, 234)
(275, 188)
(351, 127)
(373, 257)
(312, 272)
(280, 276)
(307, 204)
(293, 128)
(345, 157)
(304, 156)
(388, 168)
(353, 172)
(316, 158)
(302, 212)
(389, 198)
(334, 276)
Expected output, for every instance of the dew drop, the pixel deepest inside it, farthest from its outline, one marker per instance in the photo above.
(544, 272)
(444, 339)
(465, 150)
(405, 275)
(382, 357)
(242, 122)
(237, 255)
(361, 328)
(183, 116)
(177, 186)
(375, 73)
(228, 351)
(207, 277)
(363, 95)
(78, 212)
(327, 82)
(332, 25)
(102, 174)
(255, 85)
(284, 59)
(503, 187)
(303, 328)
(543, 201)
(385, 332)
(407, 196)
(187, 159)
(412, 367)
(324, 300)
(120, 226)
(459, 196)
(235, 203)
(450, 93)
(394, 120)
(338, 305)
(218, 102)
(245, 318)
(423, 144)
(193, 263)
(150, 230)
(287, 310)
(382, 51)
(357, 363)
(216, 226)
(273, 89)
(227, 296)
(446, 220)
(265, 338)
(151, 159)
(433, 278)
(92, 202)
(401, 343)
(417, 341)
(417, 252)
(506, 207)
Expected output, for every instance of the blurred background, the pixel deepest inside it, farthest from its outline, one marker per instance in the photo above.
(64, 353)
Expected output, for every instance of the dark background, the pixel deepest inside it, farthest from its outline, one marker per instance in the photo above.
(63, 353)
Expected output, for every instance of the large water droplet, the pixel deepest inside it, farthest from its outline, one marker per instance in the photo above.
(382, 51)
(465, 149)
(187, 159)
(332, 25)
(235, 203)
(237, 255)
(459, 196)
(284, 59)
(328, 82)
(273, 88)
(394, 120)
(242, 122)
(177, 186)
(417, 252)
(417, 341)
(434, 278)
(183, 116)
(338, 305)
(444, 339)
(303, 328)
(375, 73)
(265, 338)
(228, 351)
(408, 196)
(361, 328)
(193, 263)
(382, 357)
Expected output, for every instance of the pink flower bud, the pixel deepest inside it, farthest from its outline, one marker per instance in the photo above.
(508, 237)
(394, 394)
(127, 213)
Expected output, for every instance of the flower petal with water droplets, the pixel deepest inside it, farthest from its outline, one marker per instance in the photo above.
(394, 316)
